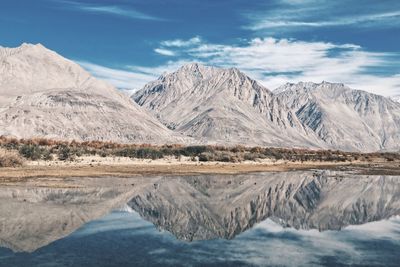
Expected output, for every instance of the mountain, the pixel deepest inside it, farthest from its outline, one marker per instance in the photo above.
(222, 106)
(344, 118)
(225, 106)
(43, 94)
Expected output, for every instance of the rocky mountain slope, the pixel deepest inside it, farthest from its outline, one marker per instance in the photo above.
(213, 105)
(226, 106)
(344, 118)
(43, 94)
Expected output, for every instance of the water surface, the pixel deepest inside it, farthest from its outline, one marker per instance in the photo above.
(305, 218)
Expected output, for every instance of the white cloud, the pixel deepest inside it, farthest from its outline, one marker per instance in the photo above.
(132, 77)
(300, 15)
(109, 9)
(122, 79)
(164, 52)
(359, 21)
(169, 66)
(271, 61)
(182, 43)
(276, 61)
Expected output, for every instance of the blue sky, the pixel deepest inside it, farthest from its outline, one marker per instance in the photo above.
(131, 42)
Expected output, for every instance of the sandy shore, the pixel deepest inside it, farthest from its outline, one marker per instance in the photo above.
(95, 166)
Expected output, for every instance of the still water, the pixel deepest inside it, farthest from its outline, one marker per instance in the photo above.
(310, 218)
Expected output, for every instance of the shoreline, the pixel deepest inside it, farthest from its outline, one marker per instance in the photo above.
(32, 170)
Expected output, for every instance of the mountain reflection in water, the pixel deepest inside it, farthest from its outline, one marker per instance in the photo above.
(252, 219)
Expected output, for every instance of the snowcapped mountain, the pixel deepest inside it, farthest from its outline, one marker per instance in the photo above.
(44, 94)
(225, 106)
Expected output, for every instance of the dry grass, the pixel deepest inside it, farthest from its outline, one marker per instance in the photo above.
(10, 158)
(47, 149)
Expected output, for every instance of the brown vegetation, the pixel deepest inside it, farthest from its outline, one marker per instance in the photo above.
(10, 158)
(47, 149)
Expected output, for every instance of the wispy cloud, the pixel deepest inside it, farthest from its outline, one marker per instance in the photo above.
(164, 52)
(122, 79)
(271, 61)
(182, 43)
(166, 46)
(115, 10)
(359, 21)
(289, 15)
(131, 77)
(276, 61)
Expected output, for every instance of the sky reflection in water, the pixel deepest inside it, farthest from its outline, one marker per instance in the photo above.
(124, 239)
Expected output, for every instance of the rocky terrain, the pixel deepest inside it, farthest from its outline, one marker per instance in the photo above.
(43, 94)
(226, 106)
(343, 118)
(216, 106)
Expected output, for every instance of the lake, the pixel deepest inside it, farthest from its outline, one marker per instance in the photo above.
(299, 218)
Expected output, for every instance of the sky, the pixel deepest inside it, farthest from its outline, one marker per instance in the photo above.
(132, 42)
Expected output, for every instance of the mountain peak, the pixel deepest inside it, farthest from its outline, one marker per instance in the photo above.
(25, 46)
(192, 65)
(59, 98)
(28, 68)
(308, 86)
(37, 49)
(196, 69)
(30, 45)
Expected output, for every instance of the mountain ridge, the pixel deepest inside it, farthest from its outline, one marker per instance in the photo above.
(46, 95)
(304, 114)
(43, 94)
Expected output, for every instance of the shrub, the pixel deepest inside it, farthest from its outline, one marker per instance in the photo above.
(206, 156)
(10, 158)
(33, 152)
(225, 157)
(46, 155)
(251, 156)
(145, 153)
(64, 153)
(193, 150)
